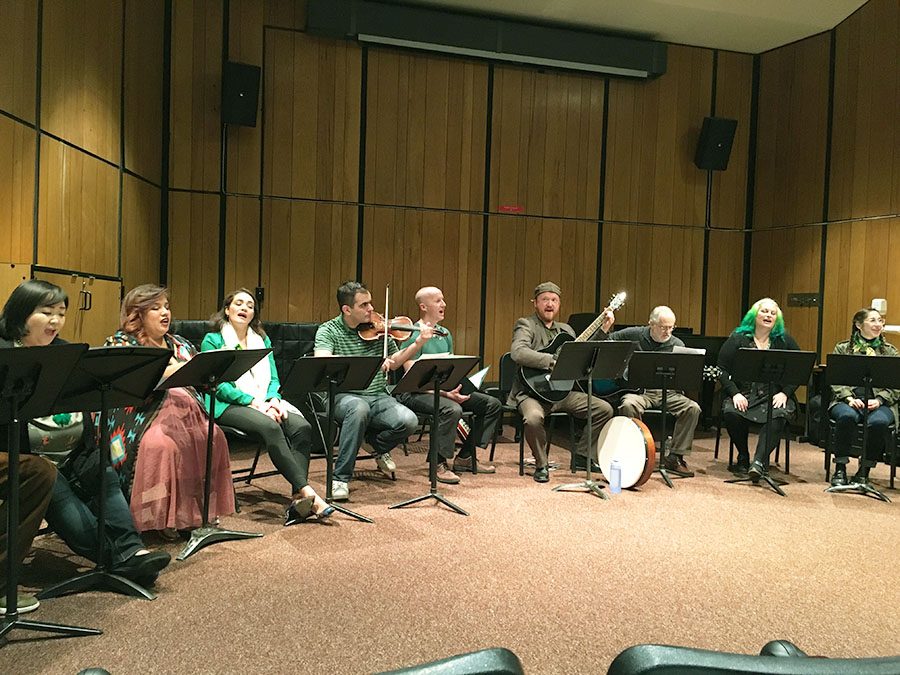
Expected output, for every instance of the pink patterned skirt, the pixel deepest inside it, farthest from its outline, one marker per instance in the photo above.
(167, 491)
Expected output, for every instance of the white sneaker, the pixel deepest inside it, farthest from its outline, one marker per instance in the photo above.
(386, 463)
(340, 491)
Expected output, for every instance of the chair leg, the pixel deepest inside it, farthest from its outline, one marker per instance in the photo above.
(521, 448)
(253, 466)
(718, 438)
(787, 455)
(778, 454)
(730, 452)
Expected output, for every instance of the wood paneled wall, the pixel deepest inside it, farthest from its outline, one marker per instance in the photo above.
(863, 257)
(790, 179)
(88, 125)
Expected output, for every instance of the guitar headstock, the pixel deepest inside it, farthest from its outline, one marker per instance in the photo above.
(616, 301)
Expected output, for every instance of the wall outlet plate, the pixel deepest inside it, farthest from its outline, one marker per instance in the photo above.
(803, 300)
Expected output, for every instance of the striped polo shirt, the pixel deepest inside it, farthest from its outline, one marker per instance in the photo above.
(336, 337)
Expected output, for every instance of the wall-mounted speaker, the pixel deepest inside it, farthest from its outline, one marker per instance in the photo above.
(714, 146)
(240, 93)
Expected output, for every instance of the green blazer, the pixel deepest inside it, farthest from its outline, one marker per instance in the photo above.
(227, 393)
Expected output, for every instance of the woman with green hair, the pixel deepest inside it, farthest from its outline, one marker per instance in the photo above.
(746, 402)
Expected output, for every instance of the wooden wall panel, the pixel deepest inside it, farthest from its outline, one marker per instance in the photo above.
(241, 243)
(523, 252)
(546, 138)
(78, 211)
(144, 87)
(865, 163)
(245, 45)
(18, 54)
(140, 232)
(308, 251)
(725, 282)
(788, 261)
(652, 184)
(425, 130)
(195, 139)
(793, 114)
(193, 254)
(733, 93)
(81, 73)
(860, 259)
(312, 94)
(11, 275)
(409, 249)
(16, 191)
(286, 13)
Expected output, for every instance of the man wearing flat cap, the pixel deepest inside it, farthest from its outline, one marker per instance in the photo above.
(531, 334)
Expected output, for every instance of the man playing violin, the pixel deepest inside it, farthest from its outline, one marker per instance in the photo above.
(657, 336)
(372, 414)
(485, 409)
(530, 334)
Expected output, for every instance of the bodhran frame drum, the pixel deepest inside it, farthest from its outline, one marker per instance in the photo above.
(629, 441)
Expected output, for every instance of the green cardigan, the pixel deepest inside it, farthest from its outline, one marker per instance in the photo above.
(227, 393)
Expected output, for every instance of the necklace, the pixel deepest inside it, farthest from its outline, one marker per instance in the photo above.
(761, 344)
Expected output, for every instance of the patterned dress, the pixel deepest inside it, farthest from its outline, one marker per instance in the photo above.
(159, 449)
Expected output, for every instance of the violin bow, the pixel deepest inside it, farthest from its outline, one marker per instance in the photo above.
(387, 320)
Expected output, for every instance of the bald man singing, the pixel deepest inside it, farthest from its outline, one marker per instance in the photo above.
(657, 336)
(485, 409)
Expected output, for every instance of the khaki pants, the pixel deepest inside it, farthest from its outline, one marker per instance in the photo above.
(534, 411)
(686, 411)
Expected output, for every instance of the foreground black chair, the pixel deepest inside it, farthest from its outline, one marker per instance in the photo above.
(496, 661)
(777, 657)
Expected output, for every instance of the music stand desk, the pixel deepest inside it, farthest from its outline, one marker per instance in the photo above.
(331, 374)
(205, 371)
(30, 381)
(665, 371)
(857, 370)
(435, 374)
(591, 360)
(771, 367)
(104, 378)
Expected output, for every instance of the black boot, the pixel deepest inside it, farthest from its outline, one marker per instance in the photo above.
(742, 464)
(862, 476)
(839, 477)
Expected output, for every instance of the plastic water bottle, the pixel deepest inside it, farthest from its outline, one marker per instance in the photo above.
(615, 476)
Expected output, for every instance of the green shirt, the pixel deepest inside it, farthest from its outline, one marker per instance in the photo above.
(439, 345)
(335, 337)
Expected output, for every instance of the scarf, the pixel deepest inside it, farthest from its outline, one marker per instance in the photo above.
(256, 380)
(860, 345)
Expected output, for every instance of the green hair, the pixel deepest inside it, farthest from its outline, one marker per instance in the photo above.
(748, 324)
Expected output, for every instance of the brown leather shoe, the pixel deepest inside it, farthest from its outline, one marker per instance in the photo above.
(445, 475)
(461, 464)
(676, 464)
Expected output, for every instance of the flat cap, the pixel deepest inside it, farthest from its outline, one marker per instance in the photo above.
(546, 287)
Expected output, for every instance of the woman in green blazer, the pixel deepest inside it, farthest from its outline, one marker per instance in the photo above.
(253, 405)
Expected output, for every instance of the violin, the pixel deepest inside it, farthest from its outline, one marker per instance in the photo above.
(398, 328)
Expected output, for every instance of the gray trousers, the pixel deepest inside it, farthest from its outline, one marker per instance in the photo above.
(686, 411)
(534, 411)
(486, 410)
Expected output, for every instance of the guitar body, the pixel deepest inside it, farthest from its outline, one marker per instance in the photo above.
(538, 381)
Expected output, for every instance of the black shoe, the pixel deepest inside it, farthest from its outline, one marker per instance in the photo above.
(542, 475)
(757, 469)
(742, 465)
(139, 568)
(299, 511)
(839, 477)
(579, 463)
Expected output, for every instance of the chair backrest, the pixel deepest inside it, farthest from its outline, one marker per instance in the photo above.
(507, 375)
(665, 660)
(581, 320)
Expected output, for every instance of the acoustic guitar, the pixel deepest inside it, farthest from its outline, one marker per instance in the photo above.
(538, 382)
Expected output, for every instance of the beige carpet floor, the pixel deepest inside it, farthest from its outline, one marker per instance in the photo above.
(566, 581)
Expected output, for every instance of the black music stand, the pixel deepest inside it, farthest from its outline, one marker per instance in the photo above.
(30, 380)
(665, 370)
(771, 367)
(331, 374)
(868, 372)
(591, 361)
(205, 372)
(434, 374)
(104, 378)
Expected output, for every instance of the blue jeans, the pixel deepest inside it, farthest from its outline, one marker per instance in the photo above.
(845, 420)
(75, 523)
(377, 418)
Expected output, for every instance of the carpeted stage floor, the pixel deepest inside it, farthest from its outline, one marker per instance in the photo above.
(564, 580)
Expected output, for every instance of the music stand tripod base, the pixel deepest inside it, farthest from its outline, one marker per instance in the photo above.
(98, 578)
(206, 535)
(437, 496)
(586, 485)
(773, 483)
(860, 488)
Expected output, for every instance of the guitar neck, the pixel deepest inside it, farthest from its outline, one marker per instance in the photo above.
(590, 330)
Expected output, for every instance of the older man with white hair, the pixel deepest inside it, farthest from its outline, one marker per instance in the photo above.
(657, 336)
